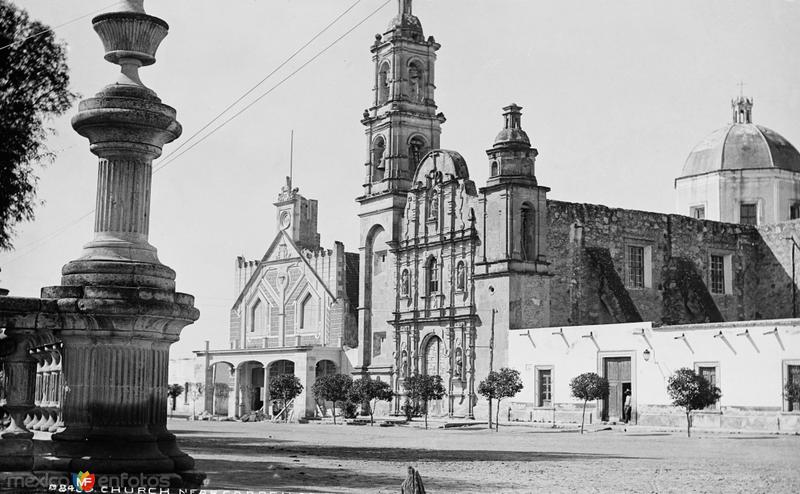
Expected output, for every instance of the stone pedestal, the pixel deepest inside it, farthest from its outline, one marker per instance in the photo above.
(118, 308)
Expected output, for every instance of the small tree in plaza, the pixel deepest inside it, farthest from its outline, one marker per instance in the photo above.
(335, 387)
(424, 388)
(366, 390)
(195, 390)
(285, 387)
(691, 391)
(504, 383)
(174, 391)
(588, 386)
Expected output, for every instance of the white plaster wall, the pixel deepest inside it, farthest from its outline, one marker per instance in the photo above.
(750, 377)
(774, 191)
(702, 190)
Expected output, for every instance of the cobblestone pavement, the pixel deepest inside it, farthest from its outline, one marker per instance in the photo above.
(343, 458)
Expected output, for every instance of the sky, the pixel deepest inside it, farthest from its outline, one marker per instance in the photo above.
(615, 93)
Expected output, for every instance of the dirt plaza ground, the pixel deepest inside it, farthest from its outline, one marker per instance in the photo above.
(343, 458)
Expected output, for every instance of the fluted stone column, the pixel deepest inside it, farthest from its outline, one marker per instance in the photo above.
(119, 312)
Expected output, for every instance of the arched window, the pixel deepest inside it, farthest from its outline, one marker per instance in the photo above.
(416, 82)
(378, 165)
(258, 317)
(495, 169)
(528, 232)
(433, 276)
(416, 150)
(308, 313)
(404, 283)
(383, 84)
(461, 277)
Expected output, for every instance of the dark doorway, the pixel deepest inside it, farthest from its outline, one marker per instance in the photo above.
(618, 372)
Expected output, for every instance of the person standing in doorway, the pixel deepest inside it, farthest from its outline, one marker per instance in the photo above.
(626, 406)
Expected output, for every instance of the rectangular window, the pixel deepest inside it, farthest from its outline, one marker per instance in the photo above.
(717, 274)
(698, 212)
(544, 377)
(748, 214)
(635, 266)
(710, 371)
(794, 211)
(792, 376)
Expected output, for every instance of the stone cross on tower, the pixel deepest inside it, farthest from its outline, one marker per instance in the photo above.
(405, 7)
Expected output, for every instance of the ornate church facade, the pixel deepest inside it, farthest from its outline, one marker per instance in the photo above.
(446, 270)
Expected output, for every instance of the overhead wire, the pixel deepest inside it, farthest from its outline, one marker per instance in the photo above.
(171, 157)
(167, 162)
(262, 81)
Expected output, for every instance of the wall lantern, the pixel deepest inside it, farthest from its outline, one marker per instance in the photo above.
(646, 355)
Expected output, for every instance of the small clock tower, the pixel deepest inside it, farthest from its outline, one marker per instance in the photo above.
(297, 216)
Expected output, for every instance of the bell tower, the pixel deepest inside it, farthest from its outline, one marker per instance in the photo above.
(512, 260)
(401, 126)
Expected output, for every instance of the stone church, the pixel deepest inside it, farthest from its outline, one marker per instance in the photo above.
(446, 270)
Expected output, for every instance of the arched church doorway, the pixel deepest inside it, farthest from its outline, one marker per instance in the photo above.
(276, 369)
(435, 364)
(251, 387)
(325, 368)
(434, 361)
(221, 388)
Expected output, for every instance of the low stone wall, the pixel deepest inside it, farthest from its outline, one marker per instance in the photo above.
(762, 419)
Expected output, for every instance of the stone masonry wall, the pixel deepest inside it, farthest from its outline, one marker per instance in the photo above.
(679, 249)
(773, 284)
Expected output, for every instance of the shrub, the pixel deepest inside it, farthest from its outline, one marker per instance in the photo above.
(691, 391)
(424, 388)
(366, 390)
(335, 387)
(504, 383)
(588, 386)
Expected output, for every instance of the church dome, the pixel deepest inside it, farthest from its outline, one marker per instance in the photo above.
(742, 145)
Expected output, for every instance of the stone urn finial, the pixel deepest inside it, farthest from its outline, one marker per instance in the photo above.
(131, 38)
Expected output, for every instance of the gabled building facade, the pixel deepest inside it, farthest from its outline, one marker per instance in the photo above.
(294, 313)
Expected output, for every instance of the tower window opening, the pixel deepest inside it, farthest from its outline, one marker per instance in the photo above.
(495, 169)
(416, 85)
(416, 149)
(383, 84)
(528, 233)
(378, 163)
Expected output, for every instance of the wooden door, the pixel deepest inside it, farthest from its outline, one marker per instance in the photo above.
(618, 372)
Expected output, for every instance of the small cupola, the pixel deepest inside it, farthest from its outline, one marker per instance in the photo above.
(742, 110)
(512, 154)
